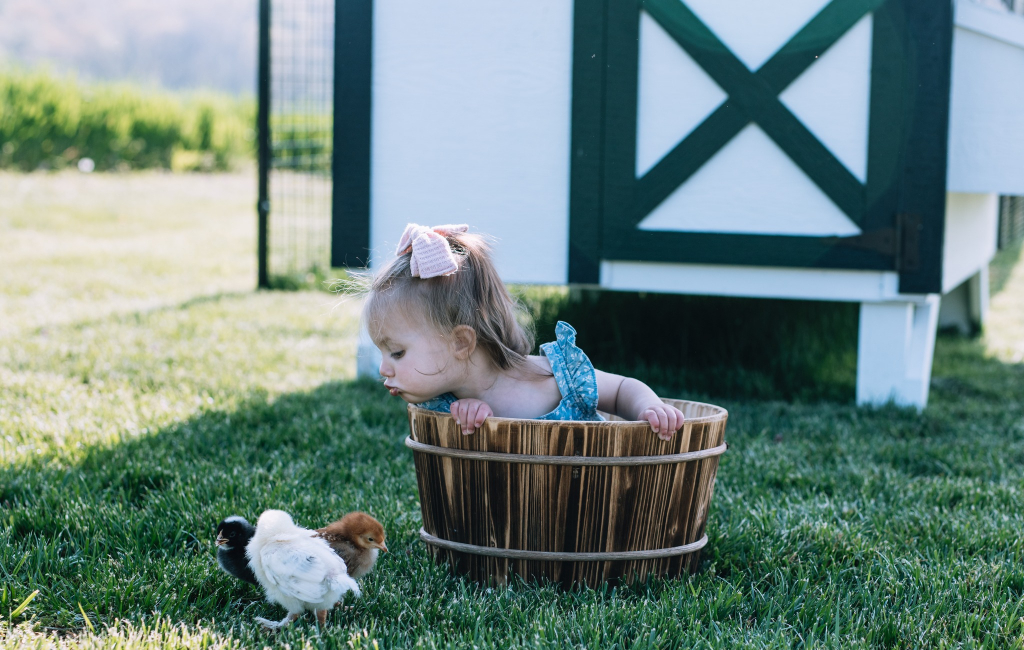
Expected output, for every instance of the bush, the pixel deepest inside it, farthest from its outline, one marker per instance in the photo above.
(52, 122)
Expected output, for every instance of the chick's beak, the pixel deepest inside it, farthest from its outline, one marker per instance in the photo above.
(221, 540)
(382, 546)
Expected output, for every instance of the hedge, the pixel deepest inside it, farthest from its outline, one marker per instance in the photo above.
(50, 122)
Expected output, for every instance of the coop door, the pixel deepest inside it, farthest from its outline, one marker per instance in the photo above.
(804, 133)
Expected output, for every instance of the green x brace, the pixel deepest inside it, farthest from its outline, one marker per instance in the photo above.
(753, 97)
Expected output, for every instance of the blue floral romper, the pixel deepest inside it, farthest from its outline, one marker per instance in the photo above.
(573, 372)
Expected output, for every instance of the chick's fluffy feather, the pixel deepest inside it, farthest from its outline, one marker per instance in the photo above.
(357, 538)
(295, 568)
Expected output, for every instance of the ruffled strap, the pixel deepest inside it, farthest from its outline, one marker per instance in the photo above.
(442, 403)
(577, 380)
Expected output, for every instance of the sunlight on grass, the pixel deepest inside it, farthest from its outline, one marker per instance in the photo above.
(162, 635)
(77, 246)
(72, 386)
(1004, 331)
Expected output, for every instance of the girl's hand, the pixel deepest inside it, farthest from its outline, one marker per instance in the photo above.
(664, 419)
(470, 414)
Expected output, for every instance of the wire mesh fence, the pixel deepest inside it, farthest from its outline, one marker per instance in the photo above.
(299, 124)
(1011, 220)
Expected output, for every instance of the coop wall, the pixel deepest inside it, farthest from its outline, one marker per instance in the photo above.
(471, 124)
(986, 133)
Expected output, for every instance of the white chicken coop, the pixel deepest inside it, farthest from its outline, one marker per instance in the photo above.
(841, 150)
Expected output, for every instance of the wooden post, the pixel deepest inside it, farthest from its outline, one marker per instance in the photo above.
(263, 146)
(894, 351)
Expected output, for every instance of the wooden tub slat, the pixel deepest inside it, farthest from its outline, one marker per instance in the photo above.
(570, 508)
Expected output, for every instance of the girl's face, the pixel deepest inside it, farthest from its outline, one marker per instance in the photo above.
(417, 363)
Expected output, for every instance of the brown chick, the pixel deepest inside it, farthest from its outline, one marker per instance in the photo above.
(357, 538)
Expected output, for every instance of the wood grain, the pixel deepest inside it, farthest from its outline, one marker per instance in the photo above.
(566, 508)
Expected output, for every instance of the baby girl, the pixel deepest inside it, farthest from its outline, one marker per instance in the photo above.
(452, 339)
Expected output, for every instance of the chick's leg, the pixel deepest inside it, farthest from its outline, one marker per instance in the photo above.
(321, 617)
(277, 625)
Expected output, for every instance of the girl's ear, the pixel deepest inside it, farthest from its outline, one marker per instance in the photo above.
(463, 342)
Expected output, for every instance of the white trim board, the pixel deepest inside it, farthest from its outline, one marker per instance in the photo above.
(755, 282)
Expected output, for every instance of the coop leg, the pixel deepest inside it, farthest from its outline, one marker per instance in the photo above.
(966, 307)
(894, 353)
(367, 356)
(978, 285)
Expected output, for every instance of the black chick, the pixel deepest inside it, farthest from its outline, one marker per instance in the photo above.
(233, 535)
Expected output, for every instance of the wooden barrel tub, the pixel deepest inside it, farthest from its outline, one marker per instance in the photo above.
(570, 502)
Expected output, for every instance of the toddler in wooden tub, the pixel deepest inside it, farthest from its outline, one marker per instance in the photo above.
(451, 341)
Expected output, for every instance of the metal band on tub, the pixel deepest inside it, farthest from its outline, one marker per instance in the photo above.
(555, 556)
(531, 459)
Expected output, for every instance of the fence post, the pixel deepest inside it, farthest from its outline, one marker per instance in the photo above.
(263, 150)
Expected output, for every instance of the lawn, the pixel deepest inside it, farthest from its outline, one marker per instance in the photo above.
(146, 391)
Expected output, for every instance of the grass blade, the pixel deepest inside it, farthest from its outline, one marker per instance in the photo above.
(24, 604)
(85, 616)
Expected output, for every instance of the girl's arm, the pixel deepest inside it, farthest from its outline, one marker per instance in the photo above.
(632, 399)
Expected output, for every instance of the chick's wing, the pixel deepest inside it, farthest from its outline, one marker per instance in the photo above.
(301, 568)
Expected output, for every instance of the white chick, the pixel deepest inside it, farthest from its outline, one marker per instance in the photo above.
(296, 569)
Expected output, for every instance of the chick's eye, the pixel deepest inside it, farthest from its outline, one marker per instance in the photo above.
(398, 354)
(370, 538)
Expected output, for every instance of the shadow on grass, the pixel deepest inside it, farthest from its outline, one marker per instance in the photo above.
(966, 378)
(127, 531)
(712, 347)
(836, 508)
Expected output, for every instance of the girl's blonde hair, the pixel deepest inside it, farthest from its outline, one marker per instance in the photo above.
(474, 295)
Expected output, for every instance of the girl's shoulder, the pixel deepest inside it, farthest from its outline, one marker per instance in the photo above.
(539, 363)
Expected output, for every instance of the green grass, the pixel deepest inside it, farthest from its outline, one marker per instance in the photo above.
(146, 391)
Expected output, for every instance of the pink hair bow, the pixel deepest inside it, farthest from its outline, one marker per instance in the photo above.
(431, 254)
